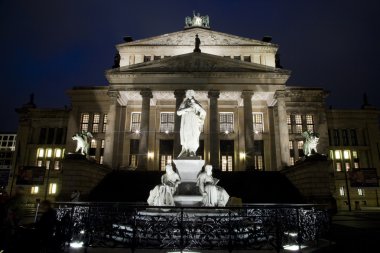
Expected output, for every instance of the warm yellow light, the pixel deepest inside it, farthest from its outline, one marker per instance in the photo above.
(34, 190)
(40, 152)
(242, 155)
(150, 155)
(354, 154)
(53, 188)
(49, 152)
(346, 154)
(338, 154)
(58, 152)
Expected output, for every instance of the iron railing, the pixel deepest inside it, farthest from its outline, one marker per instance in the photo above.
(256, 226)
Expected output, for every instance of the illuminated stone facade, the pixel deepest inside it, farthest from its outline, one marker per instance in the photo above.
(254, 120)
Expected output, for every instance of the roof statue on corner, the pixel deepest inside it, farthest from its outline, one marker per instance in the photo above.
(197, 21)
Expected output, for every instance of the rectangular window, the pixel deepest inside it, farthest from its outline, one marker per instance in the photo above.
(356, 165)
(39, 163)
(338, 166)
(135, 122)
(247, 58)
(298, 123)
(291, 160)
(165, 159)
(346, 154)
(167, 122)
(341, 191)
(52, 188)
(259, 164)
(47, 164)
(147, 58)
(360, 192)
(40, 153)
(227, 161)
(226, 120)
(58, 153)
(336, 137)
(289, 121)
(104, 123)
(92, 150)
(56, 165)
(338, 154)
(84, 121)
(309, 123)
(258, 123)
(237, 57)
(300, 148)
(34, 190)
(354, 138)
(101, 160)
(49, 152)
(157, 57)
(95, 123)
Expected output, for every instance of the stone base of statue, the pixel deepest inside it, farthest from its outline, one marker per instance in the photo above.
(187, 193)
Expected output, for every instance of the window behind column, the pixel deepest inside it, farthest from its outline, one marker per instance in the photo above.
(291, 152)
(105, 119)
(309, 122)
(298, 123)
(226, 121)
(258, 122)
(227, 155)
(166, 153)
(167, 122)
(134, 150)
(135, 121)
(259, 155)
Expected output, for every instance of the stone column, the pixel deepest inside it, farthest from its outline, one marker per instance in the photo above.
(214, 129)
(144, 130)
(179, 95)
(110, 138)
(283, 128)
(248, 130)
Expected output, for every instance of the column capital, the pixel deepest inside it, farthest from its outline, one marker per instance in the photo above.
(113, 94)
(247, 94)
(146, 93)
(179, 93)
(213, 94)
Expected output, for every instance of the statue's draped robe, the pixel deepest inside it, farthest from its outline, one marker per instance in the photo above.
(214, 195)
(191, 124)
(162, 195)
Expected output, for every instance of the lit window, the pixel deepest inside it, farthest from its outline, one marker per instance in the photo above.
(300, 145)
(258, 124)
(290, 144)
(49, 152)
(309, 123)
(226, 121)
(101, 160)
(56, 165)
(289, 121)
(298, 122)
(347, 166)
(331, 154)
(58, 153)
(346, 154)
(360, 192)
(338, 166)
(47, 163)
(338, 154)
(105, 118)
(341, 191)
(40, 152)
(226, 163)
(135, 121)
(259, 162)
(133, 161)
(167, 122)
(354, 154)
(93, 143)
(165, 159)
(95, 123)
(291, 161)
(39, 163)
(34, 190)
(52, 188)
(356, 165)
(84, 121)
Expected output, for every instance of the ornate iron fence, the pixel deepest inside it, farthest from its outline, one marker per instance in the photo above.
(124, 225)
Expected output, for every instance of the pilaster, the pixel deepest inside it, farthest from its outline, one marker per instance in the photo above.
(283, 128)
(214, 129)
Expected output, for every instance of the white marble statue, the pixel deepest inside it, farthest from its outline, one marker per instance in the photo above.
(162, 195)
(213, 195)
(311, 142)
(192, 119)
(82, 142)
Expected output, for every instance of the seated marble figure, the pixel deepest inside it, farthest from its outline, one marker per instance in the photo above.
(213, 195)
(162, 195)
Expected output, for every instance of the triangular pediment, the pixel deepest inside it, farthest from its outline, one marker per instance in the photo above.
(207, 37)
(196, 62)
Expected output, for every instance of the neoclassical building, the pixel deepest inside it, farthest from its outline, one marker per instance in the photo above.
(254, 119)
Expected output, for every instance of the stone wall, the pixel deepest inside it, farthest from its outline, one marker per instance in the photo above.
(80, 174)
(313, 180)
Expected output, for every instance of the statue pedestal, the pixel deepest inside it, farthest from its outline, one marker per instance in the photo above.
(187, 192)
(188, 169)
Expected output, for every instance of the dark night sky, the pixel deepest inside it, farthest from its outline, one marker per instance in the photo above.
(49, 46)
